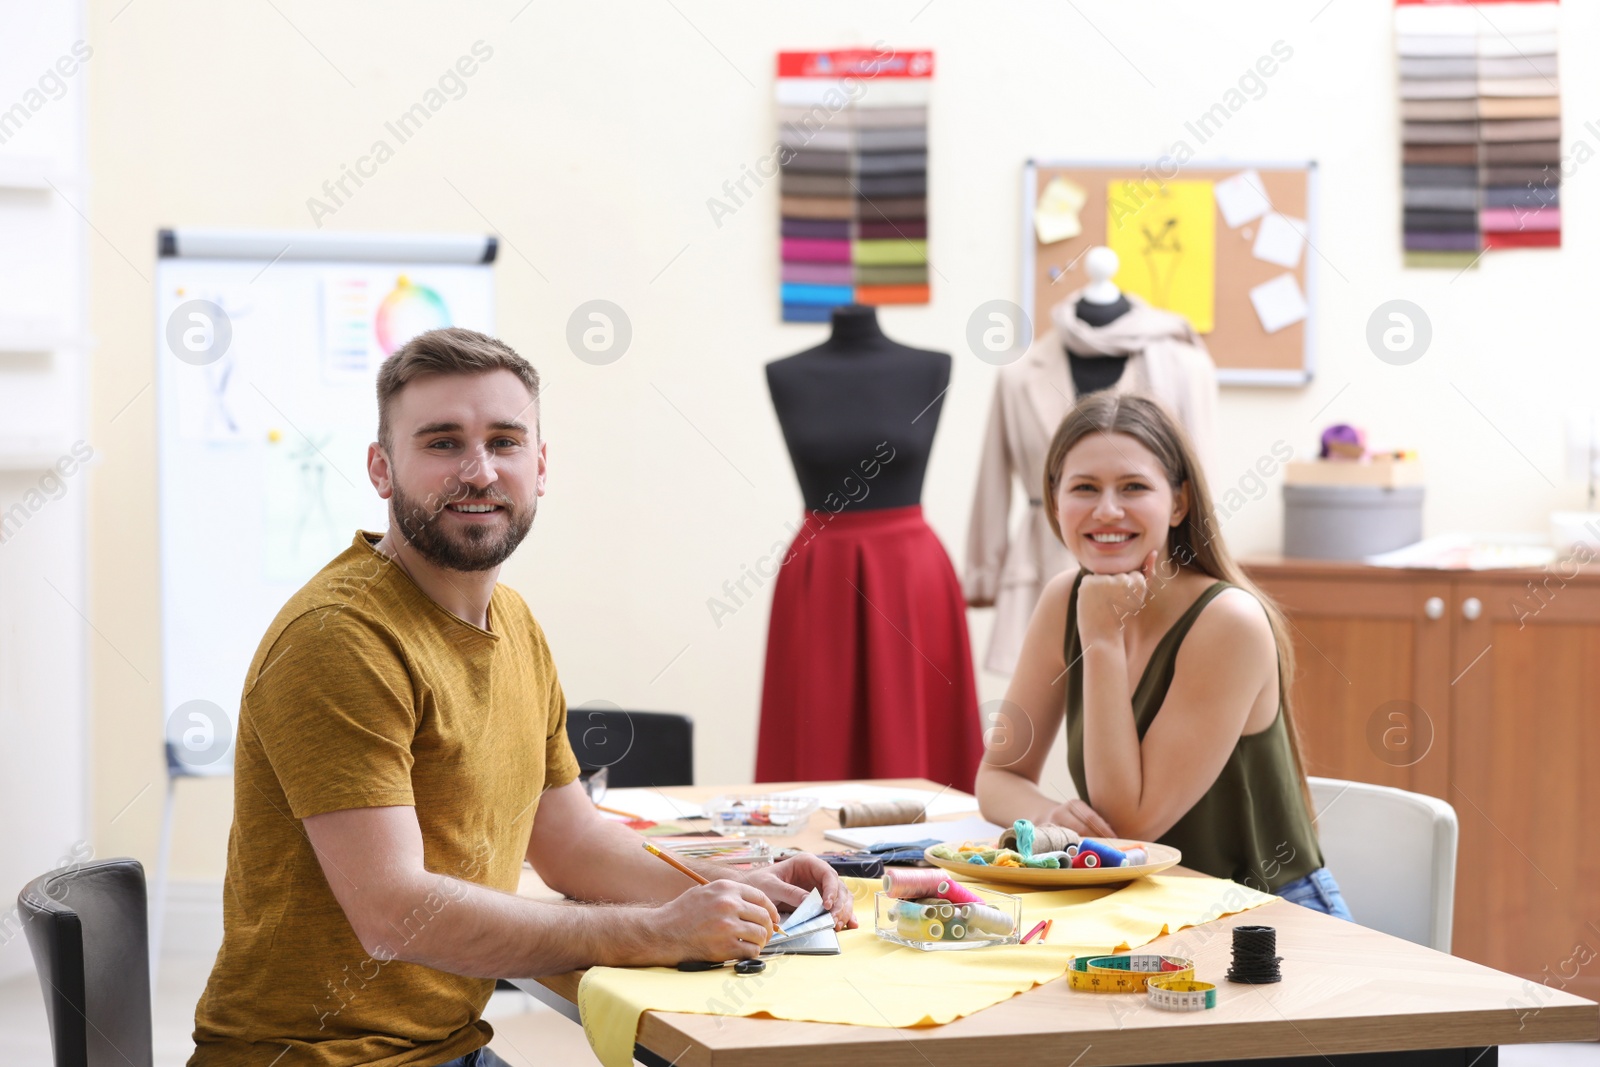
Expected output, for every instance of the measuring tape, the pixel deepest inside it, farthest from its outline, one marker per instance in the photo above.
(1124, 974)
(1181, 994)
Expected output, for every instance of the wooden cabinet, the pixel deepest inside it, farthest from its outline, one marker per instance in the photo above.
(1480, 688)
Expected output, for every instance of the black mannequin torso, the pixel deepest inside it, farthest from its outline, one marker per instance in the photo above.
(1090, 374)
(858, 413)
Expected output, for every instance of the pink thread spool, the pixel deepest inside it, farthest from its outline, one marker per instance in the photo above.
(911, 883)
(1109, 855)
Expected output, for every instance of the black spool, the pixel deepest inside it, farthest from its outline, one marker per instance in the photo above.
(1255, 961)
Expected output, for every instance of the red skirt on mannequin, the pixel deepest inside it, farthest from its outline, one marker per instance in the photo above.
(869, 669)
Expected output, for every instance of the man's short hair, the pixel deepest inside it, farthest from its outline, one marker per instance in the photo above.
(449, 351)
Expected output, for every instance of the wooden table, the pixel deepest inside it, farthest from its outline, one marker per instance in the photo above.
(1346, 991)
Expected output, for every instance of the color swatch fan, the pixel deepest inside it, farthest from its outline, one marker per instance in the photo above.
(853, 136)
(1480, 108)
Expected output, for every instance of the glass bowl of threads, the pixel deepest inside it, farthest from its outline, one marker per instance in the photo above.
(766, 814)
(930, 911)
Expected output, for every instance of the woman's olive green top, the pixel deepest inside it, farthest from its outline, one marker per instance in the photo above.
(1251, 825)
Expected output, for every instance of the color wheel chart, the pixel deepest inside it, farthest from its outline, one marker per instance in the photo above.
(853, 137)
(1480, 109)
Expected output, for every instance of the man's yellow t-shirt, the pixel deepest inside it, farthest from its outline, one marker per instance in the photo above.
(366, 693)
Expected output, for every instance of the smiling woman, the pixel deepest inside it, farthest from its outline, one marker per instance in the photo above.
(1166, 663)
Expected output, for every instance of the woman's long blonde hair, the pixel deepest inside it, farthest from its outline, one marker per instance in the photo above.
(1195, 542)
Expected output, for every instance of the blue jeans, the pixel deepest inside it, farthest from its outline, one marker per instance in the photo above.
(480, 1058)
(1319, 892)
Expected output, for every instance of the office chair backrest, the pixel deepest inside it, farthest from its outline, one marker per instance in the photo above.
(1393, 853)
(86, 927)
(640, 748)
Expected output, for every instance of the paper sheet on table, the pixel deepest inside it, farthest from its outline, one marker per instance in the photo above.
(937, 804)
(1242, 198)
(876, 983)
(1166, 240)
(975, 828)
(651, 804)
(1055, 218)
(1280, 240)
(1279, 303)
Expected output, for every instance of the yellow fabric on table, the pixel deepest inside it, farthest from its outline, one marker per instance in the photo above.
(898, 986)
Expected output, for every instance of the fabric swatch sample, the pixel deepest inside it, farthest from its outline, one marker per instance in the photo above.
(1438, 110)
(1441, 242)
(1521, 130)
(883, 253)
(892, 294)
(1440, 197)
(836, 229)
(1520, 107)
(896, 275)
(1519, 219)
(817, 207)
(818, 273)
(804, 250)
(872, 229)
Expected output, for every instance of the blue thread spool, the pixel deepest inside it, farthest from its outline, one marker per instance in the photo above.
(1109, 857)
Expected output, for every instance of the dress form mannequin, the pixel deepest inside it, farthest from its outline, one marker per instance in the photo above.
(869, 665)
(1102, 302)
(840, 402)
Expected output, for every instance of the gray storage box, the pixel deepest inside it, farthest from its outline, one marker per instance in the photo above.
(1349, 521)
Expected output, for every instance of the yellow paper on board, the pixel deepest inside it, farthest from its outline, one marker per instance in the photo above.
(1166, 239)
(873, 982)
(1055, 217)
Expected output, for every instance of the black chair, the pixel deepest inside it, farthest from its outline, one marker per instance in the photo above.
(637, 748)
(86, 927)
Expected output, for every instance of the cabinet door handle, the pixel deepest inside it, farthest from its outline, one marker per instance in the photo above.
(1471, 608)
(1433, 607)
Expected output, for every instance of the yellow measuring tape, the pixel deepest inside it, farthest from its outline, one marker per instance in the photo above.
(1124, 974)
(1182, 994)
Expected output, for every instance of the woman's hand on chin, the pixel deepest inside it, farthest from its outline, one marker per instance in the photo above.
(1079, 816)
(1107, 601)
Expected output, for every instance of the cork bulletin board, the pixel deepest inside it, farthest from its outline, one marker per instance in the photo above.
(1245, 351)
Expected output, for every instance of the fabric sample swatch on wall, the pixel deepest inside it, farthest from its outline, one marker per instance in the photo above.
(853, 179)
(1480, 110)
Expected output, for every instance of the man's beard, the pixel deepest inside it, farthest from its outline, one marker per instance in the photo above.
(474, 547)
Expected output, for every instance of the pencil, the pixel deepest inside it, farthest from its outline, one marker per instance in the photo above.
(658, 854)
(1049, 924)
(619, 811)
(1029, 935)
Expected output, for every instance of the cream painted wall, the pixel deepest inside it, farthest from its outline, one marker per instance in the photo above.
(592, 140)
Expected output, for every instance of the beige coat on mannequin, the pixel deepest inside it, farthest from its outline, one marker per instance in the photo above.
(1008, 569)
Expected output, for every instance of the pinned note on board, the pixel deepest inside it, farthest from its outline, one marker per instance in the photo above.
(1056, 216)
(1280, 240)
(1279, 303)
(1242, 198)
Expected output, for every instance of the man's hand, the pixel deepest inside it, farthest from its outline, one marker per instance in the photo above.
(724, 920)
(790, 881)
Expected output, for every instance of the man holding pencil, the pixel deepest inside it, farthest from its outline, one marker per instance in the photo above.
(402, 747)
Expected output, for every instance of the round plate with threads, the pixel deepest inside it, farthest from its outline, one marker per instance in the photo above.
(1160, 857)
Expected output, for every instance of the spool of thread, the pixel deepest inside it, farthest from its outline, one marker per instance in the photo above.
(1255, 961)
(989, 920)
(1109, 856)
(1085, 858)
(882, 813)
(912, 909)
(919, 929)
(947, 911)
(955, 932)
(1138, 857)
(913, 883)
(1045, 838)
